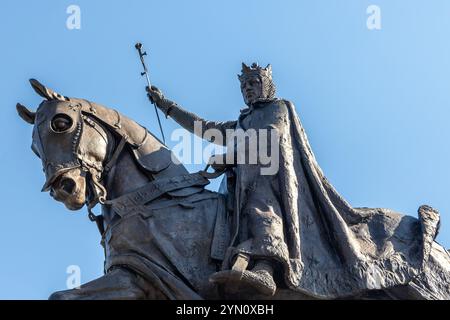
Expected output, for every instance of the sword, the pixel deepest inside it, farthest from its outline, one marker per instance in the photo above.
(138, 47)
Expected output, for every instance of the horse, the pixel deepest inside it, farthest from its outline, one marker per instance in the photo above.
(162, 232)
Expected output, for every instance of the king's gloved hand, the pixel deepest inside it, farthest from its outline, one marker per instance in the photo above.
(156, 96)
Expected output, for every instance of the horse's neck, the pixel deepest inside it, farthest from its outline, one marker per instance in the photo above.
(125, 177)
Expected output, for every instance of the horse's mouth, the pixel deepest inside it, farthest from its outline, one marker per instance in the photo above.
(69, 189)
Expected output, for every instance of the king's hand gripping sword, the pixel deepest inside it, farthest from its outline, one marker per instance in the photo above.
(138, 46)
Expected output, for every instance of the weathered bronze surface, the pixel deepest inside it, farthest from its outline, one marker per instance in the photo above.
(284, 236)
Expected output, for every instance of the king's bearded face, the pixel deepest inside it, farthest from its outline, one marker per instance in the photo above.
(252, 90)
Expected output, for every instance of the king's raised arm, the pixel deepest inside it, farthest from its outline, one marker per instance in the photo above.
(188, 119)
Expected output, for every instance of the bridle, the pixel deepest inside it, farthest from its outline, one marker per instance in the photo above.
(96, 191)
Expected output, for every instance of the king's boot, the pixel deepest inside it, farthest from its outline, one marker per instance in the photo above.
(259, 278)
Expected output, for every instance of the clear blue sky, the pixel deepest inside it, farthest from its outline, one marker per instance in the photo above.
(375, 104)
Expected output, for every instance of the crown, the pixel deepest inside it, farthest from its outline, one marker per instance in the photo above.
(255, 70)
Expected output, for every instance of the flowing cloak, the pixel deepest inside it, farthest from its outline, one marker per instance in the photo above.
(333, 249)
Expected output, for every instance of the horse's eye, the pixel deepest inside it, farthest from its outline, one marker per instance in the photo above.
(61, 123)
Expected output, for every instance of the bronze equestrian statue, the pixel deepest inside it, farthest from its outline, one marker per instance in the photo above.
(287, 235)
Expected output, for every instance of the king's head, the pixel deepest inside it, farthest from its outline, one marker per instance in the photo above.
(256, 83)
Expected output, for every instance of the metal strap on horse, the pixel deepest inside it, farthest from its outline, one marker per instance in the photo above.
(98, 219)
(126, 203)
(111, 163)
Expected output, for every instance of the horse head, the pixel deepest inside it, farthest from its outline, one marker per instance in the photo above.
(78, 142)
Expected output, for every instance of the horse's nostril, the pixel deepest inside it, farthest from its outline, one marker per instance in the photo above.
(68, 185)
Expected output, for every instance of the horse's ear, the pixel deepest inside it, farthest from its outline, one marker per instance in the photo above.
(45, 92)
(26, 114)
